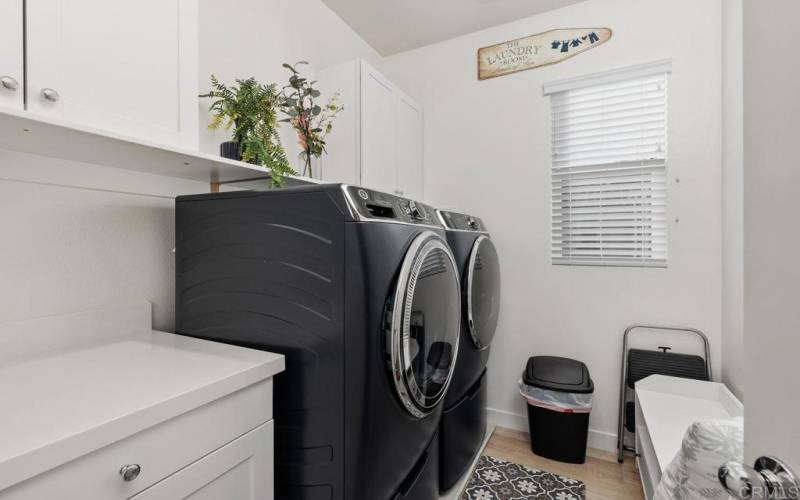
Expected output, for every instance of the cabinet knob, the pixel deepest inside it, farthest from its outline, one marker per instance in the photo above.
(50, 95)
(9, 83)
(130, 472)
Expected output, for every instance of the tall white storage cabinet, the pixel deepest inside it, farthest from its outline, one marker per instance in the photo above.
(377, 140)
(11, 54)
(127, 66)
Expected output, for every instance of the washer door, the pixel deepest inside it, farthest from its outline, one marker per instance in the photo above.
(424, 324)
(482, 292)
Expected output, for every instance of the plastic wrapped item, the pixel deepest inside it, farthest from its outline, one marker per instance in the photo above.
(564, 402)
(692, 474)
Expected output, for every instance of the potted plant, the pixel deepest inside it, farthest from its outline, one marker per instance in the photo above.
(311, 121)
(250, 109)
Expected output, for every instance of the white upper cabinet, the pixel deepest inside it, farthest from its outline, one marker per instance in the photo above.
(377, 140)
(127, 66)
(378, 132)
(11, 54)
(409, 156)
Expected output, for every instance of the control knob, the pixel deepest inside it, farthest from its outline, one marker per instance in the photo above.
(415, 211)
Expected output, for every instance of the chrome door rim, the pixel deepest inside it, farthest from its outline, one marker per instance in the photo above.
(402, 371)
(473, 256)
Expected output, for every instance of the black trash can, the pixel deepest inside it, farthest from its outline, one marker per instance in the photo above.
(559, 396)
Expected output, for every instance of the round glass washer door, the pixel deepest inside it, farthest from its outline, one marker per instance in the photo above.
(425, 324)
(482, 292)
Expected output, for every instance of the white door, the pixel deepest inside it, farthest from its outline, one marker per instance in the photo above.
(409, 148)
(11, 54)
(771, 234)
(241, 470)
(126, 66)
(378, 132)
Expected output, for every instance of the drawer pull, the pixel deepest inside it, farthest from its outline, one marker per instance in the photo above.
(130, 472)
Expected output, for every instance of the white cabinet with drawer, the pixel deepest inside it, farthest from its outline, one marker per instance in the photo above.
(240, 470)
(154, 416)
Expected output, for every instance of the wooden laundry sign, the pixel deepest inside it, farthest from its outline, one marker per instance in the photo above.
(543, 49)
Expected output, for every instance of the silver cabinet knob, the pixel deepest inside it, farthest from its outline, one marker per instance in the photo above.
(769, 479)
(9, 83)
(130, 472)
(50, 95)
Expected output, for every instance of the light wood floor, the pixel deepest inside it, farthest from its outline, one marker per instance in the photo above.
(605, 479)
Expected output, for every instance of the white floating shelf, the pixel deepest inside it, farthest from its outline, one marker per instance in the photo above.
(26, 132)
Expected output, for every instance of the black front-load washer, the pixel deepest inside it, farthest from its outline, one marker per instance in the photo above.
(463, 423)
(360, 292)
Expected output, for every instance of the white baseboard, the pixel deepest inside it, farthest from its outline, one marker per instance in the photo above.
(599, 440)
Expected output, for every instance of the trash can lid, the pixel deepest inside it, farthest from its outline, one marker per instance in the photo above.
(558, 374)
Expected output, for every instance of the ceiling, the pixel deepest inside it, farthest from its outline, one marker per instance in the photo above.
(393, 26)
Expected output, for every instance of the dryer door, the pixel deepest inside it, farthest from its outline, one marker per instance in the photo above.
(424, 324)
(482, 292)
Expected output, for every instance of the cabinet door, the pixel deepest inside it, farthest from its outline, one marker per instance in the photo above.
(241, 470)
(342, 163)
(125, 66)
(378, 132)
(409, 148)
(11, 54)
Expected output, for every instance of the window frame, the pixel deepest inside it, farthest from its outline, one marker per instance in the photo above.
(653, 192)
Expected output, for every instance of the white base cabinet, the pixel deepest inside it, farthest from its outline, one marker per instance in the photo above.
(151, 416)
(377, 139)
(197, 451)
(240, 470)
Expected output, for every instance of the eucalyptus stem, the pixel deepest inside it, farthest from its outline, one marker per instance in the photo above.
(311, 122)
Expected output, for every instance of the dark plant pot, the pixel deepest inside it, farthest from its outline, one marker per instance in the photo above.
(230, 150)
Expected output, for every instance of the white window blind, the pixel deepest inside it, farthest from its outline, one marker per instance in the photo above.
(609, 161)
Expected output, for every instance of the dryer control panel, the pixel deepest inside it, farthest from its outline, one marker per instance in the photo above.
(462, 222)
(378, 206)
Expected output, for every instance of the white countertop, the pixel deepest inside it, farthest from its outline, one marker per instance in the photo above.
(671, 405)
(63, 405)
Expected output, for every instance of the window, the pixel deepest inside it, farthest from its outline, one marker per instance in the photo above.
(609, 150)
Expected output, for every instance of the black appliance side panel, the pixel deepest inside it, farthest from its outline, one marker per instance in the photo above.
(471, 361)
(461, 434)
(423, 481)
(383, 441)
(266, 270)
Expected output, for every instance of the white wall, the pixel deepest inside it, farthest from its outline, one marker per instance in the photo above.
(732, 199)
(67, 249)
(771, 238)
(245, 38)
(487, 151)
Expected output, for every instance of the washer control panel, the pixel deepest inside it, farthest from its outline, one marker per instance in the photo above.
(375, 205)
(462, 222)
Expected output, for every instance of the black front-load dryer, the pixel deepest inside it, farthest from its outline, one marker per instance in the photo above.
(360, 291)
(464, 419)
